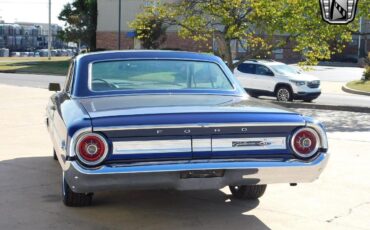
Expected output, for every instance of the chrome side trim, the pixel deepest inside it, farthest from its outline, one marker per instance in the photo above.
(152, 146)
(198, 125)
(60, 142)
(258, 143)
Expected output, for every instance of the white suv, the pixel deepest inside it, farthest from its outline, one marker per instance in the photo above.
(270, 78)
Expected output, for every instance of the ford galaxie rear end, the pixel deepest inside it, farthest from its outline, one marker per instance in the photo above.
(173, 120)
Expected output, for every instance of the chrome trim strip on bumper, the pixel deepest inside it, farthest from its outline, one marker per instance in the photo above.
(167, 175)
(198, 125)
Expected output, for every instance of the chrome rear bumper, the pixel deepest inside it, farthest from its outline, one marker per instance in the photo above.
(167, 175)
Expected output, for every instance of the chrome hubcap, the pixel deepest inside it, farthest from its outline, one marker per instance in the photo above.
(283, 95)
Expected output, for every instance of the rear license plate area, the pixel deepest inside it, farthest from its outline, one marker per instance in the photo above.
(201, 174)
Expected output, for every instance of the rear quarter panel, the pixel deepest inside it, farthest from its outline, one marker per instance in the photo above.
(69, 117)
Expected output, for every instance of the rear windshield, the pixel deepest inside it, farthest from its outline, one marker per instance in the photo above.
(157, 75)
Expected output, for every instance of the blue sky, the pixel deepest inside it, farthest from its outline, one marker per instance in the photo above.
(30, 10)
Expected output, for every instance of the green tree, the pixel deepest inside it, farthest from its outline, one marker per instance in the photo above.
(254, 26)
(80, 19)
(150, 28)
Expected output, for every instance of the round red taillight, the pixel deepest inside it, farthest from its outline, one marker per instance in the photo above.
(91, 148)
(305, 142)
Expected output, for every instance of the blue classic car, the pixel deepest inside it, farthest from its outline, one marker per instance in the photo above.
(173, 120)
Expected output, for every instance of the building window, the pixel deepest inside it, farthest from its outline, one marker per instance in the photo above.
(278, 54)
(354, 41)
(150, 3)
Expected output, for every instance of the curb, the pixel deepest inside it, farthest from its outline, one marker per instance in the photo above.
(323, 107)
(353, 91)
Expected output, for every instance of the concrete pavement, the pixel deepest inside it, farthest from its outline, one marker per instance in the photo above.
(343, 99)
(332, 79)
(30, 184)
(337, 74)
(332, 94)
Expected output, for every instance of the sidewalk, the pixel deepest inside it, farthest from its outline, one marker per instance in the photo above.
(22, 126)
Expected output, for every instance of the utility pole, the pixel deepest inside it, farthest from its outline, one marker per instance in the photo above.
(49, 32)
(359, 39)
(119, 24)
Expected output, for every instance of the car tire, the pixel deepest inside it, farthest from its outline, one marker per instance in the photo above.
(248, 192)
(73, 199)
(55, 155)
(284, 93)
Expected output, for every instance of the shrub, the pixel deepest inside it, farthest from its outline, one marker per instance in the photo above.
(367, 68)
(367, 73)
(367, 59)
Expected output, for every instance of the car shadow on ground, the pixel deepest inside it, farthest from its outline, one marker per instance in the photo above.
(30, 199)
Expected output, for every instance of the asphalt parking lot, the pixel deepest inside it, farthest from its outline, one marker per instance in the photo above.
(30, 183)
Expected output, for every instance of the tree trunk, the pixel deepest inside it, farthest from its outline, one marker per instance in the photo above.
(229, 56)
(224, 46)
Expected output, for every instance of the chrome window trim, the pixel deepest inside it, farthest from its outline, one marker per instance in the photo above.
(89, 81)
(69, 79)
(314, 151)
(122, 93)
(198, 125)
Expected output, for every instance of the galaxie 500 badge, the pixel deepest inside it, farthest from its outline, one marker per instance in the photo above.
(250, 143)
(338, 11)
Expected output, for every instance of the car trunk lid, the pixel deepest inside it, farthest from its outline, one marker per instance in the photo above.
(178, 127)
